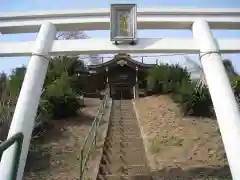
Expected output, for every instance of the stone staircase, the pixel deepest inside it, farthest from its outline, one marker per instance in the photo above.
(123, 154)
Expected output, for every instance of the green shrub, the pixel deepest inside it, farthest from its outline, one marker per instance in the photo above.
(153, 79)
(192, 101)
(62, 98)
(235, 82)
(45, 111)
(166, 78)
(59, 87)
(64, 106)
(176, 80)
(183, 93)
(196, 103)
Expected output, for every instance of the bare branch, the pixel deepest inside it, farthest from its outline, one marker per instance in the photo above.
(197, 68)
(71, 35)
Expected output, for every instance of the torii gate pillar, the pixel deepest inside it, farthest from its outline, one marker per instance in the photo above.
(224, 102)
(28, 100)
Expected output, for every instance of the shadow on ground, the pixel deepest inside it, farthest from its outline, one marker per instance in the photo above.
(4, 127)
(197, 173)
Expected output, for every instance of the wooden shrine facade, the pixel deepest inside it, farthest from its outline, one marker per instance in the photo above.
(123, 75)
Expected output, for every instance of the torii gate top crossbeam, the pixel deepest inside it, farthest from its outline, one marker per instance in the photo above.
(99, 19)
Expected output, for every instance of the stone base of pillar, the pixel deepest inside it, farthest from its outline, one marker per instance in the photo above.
(135, 92)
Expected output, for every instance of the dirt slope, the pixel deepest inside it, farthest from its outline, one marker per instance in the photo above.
(55, 156)
(177, 147)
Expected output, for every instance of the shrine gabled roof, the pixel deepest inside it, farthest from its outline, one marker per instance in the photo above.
(122, 58)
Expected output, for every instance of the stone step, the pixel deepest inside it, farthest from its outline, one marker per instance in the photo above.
(124, 109)
(123, 104)
(125, 117)
(127, 177)
(125, 126)
(124, 112)
(125, 131)
(116, 167)
(130, 141)
(118, 107)
(118, 137)
(128, 134)
(126, 143)
(124, 152)
(120, 145)
(130, 122)
(124, 121)
(137, 169)
(128, 159)
(128, 169)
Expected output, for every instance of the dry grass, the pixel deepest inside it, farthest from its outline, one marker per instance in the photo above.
(180, 147)
(55, 156)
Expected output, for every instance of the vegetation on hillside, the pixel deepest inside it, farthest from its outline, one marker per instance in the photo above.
(60, 94)
(192, 95)
(60, 91)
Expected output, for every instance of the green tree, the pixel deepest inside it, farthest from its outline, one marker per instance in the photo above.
(229, 68)
(15, 81)
(3, 84)
(165, 78)
(58, 95)
(59, 92)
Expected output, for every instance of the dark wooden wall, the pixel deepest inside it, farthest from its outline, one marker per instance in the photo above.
(122, 76)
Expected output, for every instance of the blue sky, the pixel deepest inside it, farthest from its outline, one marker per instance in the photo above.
(6, 64)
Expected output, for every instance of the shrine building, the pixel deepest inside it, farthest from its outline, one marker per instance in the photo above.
(125, 77)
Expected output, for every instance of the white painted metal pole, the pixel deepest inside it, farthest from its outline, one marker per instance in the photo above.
(27, 104)
(225, 105)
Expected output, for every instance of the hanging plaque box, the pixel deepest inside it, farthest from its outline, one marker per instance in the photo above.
(123, 22)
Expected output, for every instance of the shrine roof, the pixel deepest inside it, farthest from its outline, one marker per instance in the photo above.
(121, 59)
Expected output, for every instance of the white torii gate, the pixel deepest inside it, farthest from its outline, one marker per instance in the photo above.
(198, 20)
